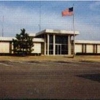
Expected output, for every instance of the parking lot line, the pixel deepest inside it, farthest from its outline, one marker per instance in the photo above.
(5, 64)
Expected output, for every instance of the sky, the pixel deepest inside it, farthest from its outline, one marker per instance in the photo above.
(16, 15)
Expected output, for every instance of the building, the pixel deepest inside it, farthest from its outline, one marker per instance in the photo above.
(6, 45)
(54, 42)
(87, 47)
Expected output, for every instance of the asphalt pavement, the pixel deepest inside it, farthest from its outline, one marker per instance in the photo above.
(49, 80)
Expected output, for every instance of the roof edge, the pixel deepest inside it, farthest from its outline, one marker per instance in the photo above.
(57, 32)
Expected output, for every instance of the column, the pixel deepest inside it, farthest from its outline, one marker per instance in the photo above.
(10, 47)
(47, 44)
(53, 44)
(69, 45)
(44, 45)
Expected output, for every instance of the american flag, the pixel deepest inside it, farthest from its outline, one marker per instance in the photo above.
(68, 12)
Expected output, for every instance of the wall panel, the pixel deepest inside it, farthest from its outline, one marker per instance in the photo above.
(4, 47)
(89, 48)
(78, 48)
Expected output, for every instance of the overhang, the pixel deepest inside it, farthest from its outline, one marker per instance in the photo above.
(86, 42)
(61, 32)
(6, 38)
(38, 40)
(32, 34)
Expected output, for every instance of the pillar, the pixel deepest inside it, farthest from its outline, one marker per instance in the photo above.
(69, 45)
(47, 44)
(53, 44)
(44, 45)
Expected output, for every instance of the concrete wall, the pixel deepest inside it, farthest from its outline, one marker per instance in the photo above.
(78, 48)
(37, 48)
(87, 48)
(4, 47)
(98, 48)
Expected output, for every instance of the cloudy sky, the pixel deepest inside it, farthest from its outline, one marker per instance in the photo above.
(27, 14)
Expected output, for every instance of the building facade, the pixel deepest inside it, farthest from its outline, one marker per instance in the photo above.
(54, 42)
(87, 47)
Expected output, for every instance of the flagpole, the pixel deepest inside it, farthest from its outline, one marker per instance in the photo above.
(70, 12)
(74, 33)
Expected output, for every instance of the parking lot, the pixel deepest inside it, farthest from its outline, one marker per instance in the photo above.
(49, 79)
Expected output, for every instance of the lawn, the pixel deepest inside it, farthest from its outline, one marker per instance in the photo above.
(51, 58)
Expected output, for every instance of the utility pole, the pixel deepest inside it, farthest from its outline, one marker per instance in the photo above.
(40, 17)
(3, 26)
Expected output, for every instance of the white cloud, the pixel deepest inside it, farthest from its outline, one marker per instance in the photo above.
(88, 31)
(18, 18)
(95, 6)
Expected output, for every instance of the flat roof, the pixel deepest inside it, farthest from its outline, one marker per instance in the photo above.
(10, 39)
(32, 34)
(39, 40)
(6, 38)
(53, 31)
(87, 42)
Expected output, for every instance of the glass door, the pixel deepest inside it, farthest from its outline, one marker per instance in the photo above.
(58, 49)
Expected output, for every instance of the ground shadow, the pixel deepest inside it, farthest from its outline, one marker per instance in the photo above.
(93, 77)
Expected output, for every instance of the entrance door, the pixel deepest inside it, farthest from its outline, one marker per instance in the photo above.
(58, 49)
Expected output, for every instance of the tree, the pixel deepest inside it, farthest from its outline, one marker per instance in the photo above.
(22, 44)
